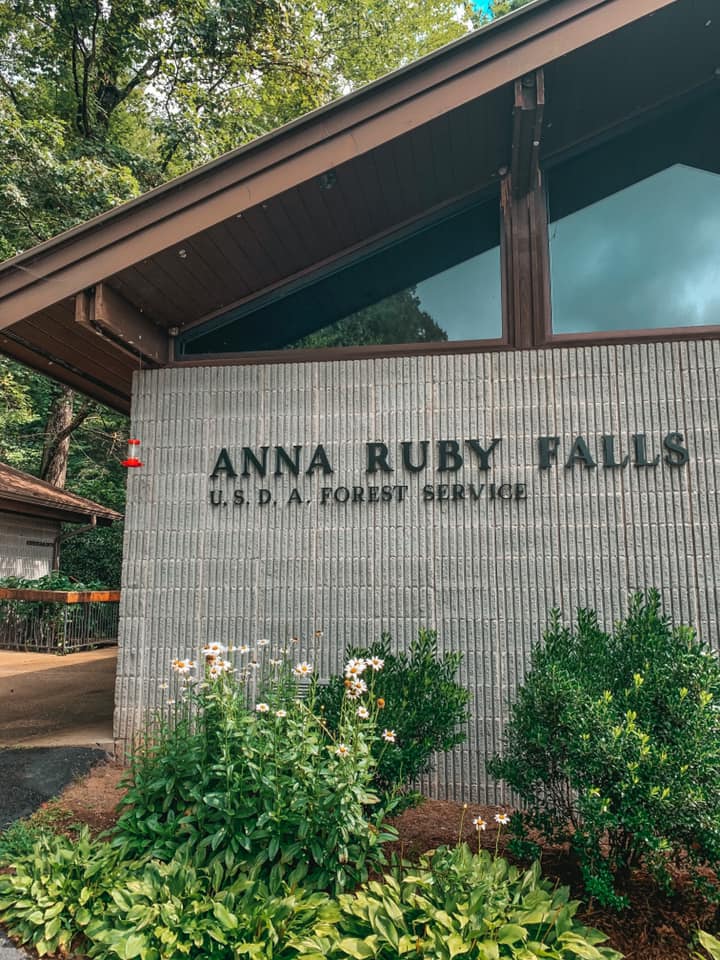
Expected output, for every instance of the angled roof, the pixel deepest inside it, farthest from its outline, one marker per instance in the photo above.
(22, 493)
(107, 297)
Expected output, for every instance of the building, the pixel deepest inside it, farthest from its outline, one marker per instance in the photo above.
(31, 516)
(442, 353)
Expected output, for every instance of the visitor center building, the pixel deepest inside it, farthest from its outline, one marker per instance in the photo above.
(441, 354)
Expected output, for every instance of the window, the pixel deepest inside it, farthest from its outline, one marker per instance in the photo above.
(635, 231)
(440, 283)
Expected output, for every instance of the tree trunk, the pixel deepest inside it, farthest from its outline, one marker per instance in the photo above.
(58, 429)
(53, 466)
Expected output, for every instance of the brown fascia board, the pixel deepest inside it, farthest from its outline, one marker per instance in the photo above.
(457, 73)
(33, 508)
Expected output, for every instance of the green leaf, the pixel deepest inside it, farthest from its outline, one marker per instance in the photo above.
(511, 933)
(227, 919)
(711, 944)
(133, 946)
(354, 947)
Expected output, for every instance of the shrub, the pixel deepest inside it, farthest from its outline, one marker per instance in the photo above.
(457, 904)
(423, 704)
(613, 745)
(231, 785)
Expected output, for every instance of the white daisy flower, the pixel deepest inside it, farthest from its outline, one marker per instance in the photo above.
(376, 663)
(213, 649)
(363, 713)
(263, 642)
(275, 662)
(388, 735)
(244, 648)
(262, 707)
(183, 667)
(281, 713)
(479, 823)
(302, 669)
(342, 750)
(354, 668)
(502, 818)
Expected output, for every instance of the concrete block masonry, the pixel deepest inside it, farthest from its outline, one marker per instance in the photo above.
(219, 559)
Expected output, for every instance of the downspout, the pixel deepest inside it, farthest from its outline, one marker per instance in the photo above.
(62, 537)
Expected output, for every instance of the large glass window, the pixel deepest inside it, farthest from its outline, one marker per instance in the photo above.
(635, 232)
(437, 284)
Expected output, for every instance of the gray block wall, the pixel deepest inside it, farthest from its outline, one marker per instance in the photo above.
(26, 546)
(483, 573)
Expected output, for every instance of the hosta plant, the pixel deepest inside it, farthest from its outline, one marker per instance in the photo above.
(457, 904)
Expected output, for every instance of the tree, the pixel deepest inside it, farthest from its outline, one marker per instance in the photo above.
(398, 318)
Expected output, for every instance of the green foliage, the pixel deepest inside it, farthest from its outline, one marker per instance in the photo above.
(710, 943)
(230, 788)
(52, 581)
(615, 737)
(424, 705)
(398, 318)
(498, 8)
(20, 837)
(94, 470)
(457, 904)
(48, 183)
(55, 889)
(78, 891)
(96, 554)
(170, 910)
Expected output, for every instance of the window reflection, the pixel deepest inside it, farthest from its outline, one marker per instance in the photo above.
(645, 257)
(461, 303)
(440, 283)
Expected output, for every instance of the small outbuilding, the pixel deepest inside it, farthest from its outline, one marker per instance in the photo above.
(32, 513)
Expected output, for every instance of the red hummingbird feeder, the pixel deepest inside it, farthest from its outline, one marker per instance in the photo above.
(131, 460)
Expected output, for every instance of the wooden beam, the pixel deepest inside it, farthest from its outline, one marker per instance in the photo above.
(525, 264)
(108, 314)
(527, 131)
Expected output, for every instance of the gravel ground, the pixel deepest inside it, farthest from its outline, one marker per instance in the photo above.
(10, 952)
(29, 777)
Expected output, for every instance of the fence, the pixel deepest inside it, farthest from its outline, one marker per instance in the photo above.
(56, 621)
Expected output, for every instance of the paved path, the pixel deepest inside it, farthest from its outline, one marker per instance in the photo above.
(10, 952)
(30, 777)
(48, 701)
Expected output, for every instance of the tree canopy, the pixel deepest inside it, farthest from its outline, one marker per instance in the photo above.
(101, 100)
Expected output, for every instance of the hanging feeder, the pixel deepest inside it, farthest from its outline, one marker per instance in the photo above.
(131, 460)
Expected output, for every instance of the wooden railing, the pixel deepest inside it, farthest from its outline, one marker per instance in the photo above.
(58, 621)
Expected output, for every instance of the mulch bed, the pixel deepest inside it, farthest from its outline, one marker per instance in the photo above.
(654, 927)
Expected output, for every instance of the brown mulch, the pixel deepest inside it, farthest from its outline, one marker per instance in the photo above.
(653, 928)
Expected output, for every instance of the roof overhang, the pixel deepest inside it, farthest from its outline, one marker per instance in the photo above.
(105, 298)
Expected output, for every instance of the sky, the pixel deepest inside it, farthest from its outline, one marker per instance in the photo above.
(646, 257)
